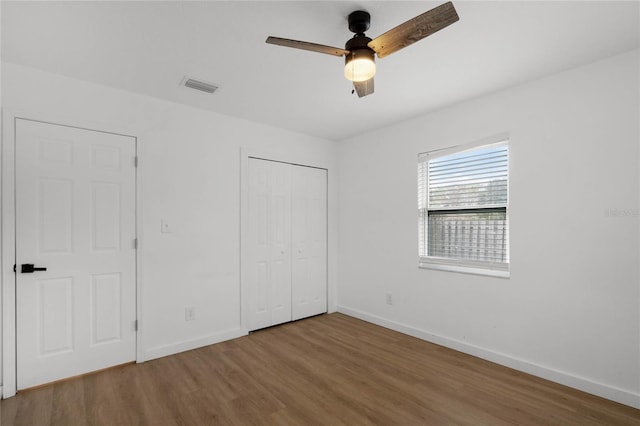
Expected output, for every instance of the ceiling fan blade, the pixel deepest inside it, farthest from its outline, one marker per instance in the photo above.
(363, 88)
(313, 47)
(414, 30)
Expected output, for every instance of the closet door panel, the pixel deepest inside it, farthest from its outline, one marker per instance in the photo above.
(309, 242)
(269, 256)
(280, 227)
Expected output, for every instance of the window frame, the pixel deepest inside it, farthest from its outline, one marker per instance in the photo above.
(494, 269)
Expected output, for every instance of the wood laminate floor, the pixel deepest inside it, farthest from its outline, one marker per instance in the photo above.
(330, 369)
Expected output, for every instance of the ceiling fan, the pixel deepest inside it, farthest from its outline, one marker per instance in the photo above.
(360, 51)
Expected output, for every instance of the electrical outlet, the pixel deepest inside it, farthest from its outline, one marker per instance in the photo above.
(389, 298)
(189, 313)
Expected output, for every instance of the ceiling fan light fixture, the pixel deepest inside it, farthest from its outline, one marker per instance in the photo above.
(360, 51)
(360, 65)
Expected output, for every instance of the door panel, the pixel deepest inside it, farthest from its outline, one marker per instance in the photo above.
(309, 236)
(280, 226)
(106, 300)
(54, 310)
(269, 295)
(55, 198)
(105, 227)
(75, 215)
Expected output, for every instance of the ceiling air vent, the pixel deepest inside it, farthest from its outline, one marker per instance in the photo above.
(199, 85)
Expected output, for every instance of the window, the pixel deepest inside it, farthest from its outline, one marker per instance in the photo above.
(463, 197)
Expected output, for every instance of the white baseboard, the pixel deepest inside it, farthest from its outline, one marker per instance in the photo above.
(581, 383)
(187, 345)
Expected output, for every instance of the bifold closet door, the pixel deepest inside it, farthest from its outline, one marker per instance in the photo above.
(269, 295)
(287, 243)
(309, 242)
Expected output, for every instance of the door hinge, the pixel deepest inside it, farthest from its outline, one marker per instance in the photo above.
(135, 243)
(135, 325)
(135, 161)
(14, 268)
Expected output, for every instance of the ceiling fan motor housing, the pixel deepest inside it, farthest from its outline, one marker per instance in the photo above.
(359, 21)
(358, 48)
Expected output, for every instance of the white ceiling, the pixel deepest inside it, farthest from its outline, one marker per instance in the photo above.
(148, 47)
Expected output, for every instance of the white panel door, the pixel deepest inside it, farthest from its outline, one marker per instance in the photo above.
(309, 242)
(269, 256)
(75, 216)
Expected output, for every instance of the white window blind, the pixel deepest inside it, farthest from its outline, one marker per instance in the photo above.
(462, 207)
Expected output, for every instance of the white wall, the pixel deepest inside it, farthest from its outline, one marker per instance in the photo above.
(571, 309)
(189, 175)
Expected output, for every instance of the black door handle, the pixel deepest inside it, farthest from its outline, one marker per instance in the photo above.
(28, 268)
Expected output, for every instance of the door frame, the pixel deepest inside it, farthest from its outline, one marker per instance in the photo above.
(8, 278)
(267, 155)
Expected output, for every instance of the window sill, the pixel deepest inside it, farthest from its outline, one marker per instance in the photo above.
(464, 269)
